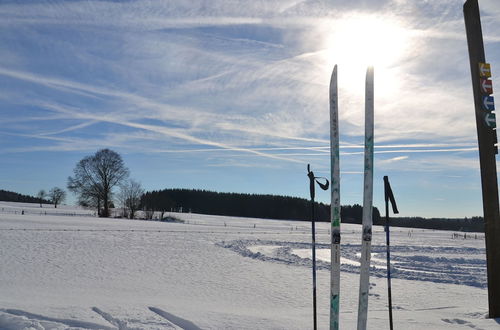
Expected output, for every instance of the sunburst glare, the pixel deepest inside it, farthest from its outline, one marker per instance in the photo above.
(357, 41)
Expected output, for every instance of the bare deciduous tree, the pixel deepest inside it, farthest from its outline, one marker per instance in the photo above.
(95, 177)
(41, 195)
(57, 195)
(130, 196)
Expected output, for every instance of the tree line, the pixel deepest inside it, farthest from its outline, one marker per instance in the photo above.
(54, 196)
(245, 205)
(473, 224)
(10, 196)
(95, 178)
(284, 207)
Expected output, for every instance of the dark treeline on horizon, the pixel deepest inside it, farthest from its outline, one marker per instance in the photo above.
(473, 224)
(246, 205)
(285, 208)
(10, 196)
(269, 207)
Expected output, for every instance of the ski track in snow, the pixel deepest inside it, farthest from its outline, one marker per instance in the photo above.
(126, 323)
(121, 325)
(433, 264)
(460, 322)
(19, 319)
(14, 319)
(56, 268)
(184, 324)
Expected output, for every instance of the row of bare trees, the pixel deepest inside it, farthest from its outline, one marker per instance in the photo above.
(130, 197)
(55, 195)
(94, 179)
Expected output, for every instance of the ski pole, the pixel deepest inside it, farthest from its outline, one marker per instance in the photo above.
(311, 188)
(312, 178)
(389, 197)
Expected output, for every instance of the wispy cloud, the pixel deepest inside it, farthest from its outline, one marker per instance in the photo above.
(239, 84)
(392, 160)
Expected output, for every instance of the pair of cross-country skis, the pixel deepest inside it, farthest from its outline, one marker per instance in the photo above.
(335, 204)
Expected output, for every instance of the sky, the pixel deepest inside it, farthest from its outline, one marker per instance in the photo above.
(232, 96)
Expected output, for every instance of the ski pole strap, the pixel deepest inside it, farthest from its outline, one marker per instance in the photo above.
(313, 178)
(389, 195)
(323, 186)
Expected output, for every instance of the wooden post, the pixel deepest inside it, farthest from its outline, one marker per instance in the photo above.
(487, 139)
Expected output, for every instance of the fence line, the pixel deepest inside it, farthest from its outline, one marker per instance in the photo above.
(45, 212)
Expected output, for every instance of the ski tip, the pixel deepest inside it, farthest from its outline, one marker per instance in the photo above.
(334, 71)
(369, 76)
(333, 78)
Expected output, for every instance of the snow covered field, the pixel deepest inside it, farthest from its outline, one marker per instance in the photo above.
(71, 270)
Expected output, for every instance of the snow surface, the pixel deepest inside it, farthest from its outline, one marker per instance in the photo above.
(66, 269)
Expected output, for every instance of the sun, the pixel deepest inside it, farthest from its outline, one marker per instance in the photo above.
(367, 40)
(356, 41)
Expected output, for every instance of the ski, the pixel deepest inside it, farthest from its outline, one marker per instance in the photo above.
(335, 204)
(364, 276)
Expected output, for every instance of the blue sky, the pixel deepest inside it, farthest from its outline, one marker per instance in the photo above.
(233, 95)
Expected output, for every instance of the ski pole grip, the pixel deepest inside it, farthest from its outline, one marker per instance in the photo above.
(310, 174)
(389, 195)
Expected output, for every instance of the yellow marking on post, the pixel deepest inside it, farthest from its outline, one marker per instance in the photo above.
(484, 70)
